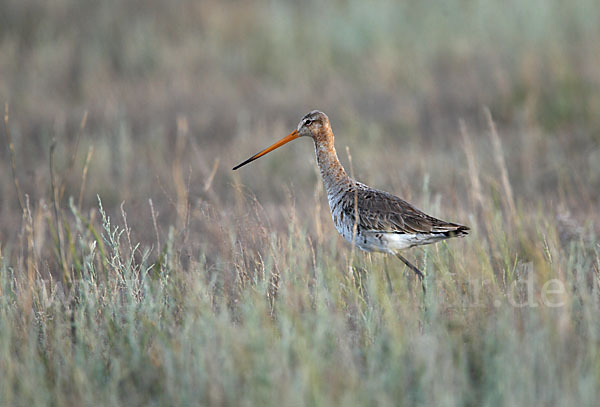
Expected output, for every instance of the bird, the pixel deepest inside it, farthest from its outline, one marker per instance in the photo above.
(371, 219)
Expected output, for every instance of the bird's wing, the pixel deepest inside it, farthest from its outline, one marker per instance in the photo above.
(383, 212)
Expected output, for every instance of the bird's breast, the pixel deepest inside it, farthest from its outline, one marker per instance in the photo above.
(343, 213)
(343, 221)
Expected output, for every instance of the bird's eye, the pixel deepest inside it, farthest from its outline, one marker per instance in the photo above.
(308, 122)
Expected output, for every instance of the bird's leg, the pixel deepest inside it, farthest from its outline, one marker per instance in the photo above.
(387, 274)
(413, 268)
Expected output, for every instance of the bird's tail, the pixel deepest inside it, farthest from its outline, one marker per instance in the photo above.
(456, 231)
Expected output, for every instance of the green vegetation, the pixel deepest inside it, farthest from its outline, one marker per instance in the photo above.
(137, 269)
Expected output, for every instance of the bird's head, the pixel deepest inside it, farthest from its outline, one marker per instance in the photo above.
(314, 124)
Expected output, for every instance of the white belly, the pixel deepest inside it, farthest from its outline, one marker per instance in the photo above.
(373, 241)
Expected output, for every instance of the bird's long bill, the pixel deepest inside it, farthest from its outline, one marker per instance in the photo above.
(293, 135)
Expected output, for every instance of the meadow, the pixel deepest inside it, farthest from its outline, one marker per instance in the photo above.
(137, 269)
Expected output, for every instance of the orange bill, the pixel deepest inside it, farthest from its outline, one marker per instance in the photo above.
(293, 135)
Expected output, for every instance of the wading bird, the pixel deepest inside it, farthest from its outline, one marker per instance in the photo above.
(373, 220)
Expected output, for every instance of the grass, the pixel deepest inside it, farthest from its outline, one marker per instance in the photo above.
(137, 269)
(292, 324)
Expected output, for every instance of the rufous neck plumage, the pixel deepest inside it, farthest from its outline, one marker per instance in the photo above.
(331, 169)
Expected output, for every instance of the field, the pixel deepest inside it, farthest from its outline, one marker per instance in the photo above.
(137, 269)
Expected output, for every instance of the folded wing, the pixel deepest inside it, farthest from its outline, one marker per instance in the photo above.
(383, 212)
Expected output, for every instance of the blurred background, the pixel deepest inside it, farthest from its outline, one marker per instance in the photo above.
(155, 100)
(480, 112)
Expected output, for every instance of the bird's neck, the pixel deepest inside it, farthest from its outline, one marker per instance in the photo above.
(332, 172)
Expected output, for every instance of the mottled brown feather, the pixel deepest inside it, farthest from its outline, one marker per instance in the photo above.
(383, 212)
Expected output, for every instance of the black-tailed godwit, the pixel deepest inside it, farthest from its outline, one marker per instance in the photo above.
(373, 220)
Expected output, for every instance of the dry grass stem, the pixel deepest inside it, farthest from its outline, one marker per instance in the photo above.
(84, 173)
(473, 171)
(64, 272)
(501, 164)
(13, 161)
